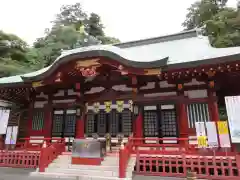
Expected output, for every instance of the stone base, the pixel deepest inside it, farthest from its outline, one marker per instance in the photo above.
(87, 161)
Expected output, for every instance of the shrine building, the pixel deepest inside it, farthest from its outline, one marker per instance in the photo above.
(157, 87)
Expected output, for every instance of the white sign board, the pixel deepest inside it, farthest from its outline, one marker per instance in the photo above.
(212, 134)
(200, 129)
(11, 136)
(233, 112)
(4, 116)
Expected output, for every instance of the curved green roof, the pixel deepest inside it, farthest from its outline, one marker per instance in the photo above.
(183, 49)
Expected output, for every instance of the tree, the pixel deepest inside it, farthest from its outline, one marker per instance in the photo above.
(218, 21)
(72, 28)
(13, 58)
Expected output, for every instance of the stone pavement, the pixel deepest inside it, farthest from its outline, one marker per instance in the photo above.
(23, 174)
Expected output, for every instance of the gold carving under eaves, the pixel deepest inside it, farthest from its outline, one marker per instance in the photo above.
(211, 73)
(120, 106)
(37, 84)
(152, 71)
(87, 63)
(211, 84)
(87, 67)
(130, 102)
(58, 77)
(108, 107)
(96, 106)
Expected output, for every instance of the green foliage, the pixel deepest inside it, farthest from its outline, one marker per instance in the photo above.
(72, 28)
(220, 23)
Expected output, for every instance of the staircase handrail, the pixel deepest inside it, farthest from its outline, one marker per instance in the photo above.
(49, 153)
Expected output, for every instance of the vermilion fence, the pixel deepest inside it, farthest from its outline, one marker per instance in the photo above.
(210, 167)
(22, 159)
(38, 156)
(35, 144)
(175, 160)
(50, 153)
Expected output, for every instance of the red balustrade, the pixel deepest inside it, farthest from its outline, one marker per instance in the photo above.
(210, 167)
(31, 144)
(22, 159)
(124, 156)
(172, 156)
(49, 153)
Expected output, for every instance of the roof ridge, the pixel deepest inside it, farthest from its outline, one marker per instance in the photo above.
(159, 39)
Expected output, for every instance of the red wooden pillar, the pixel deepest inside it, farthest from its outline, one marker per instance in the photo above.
(1, 142)
(182, 116)
(80, 125)
(213, 106)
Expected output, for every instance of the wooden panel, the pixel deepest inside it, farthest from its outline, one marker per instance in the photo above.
(23, 125)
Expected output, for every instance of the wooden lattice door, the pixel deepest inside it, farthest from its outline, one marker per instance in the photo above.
(168, 121)
(70, 123)
(57, 124)
(150, 124)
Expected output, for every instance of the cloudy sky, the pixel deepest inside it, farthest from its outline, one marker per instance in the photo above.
(125, 19)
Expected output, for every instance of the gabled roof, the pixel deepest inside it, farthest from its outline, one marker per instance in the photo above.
(179, 50)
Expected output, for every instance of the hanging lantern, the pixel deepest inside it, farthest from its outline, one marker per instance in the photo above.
(130, 102)
(120, 106)
(96, 106)
(108, 106)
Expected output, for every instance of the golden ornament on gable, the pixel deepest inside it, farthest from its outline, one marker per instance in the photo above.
(108, 107)
(180, 86)
(58, 77)
(87, 63)
(152, 71)
(211, 73)
(211, 84)
(37, 84)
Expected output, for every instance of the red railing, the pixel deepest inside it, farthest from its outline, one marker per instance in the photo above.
(48, 154)
(182, 148)
(124, 156)
(210, 167)
(22, 159)
(31, 144)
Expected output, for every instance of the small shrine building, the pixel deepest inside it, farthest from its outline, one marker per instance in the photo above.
(156, 87)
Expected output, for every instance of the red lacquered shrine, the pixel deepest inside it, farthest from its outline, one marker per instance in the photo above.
(156, 87)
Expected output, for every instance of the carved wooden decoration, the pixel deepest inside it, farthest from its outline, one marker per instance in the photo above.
(211, 73)
(87, 63)
(37, 84)
(211, 84)
(152, 71)
(58, 77)
(88, 72)
(179, 87)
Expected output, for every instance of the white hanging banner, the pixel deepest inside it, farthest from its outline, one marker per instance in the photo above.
(201, 134)
(4, 116)
(11, 136)
(223, 134)
(233, 112)
(200, 129)
(14, 134)
(8, 135)
(212, 134)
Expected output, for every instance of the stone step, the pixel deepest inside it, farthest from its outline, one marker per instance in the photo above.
(73, 176)
(87, 167)
(89, 172)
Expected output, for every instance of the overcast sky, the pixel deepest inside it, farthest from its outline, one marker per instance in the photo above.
(125, 19)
